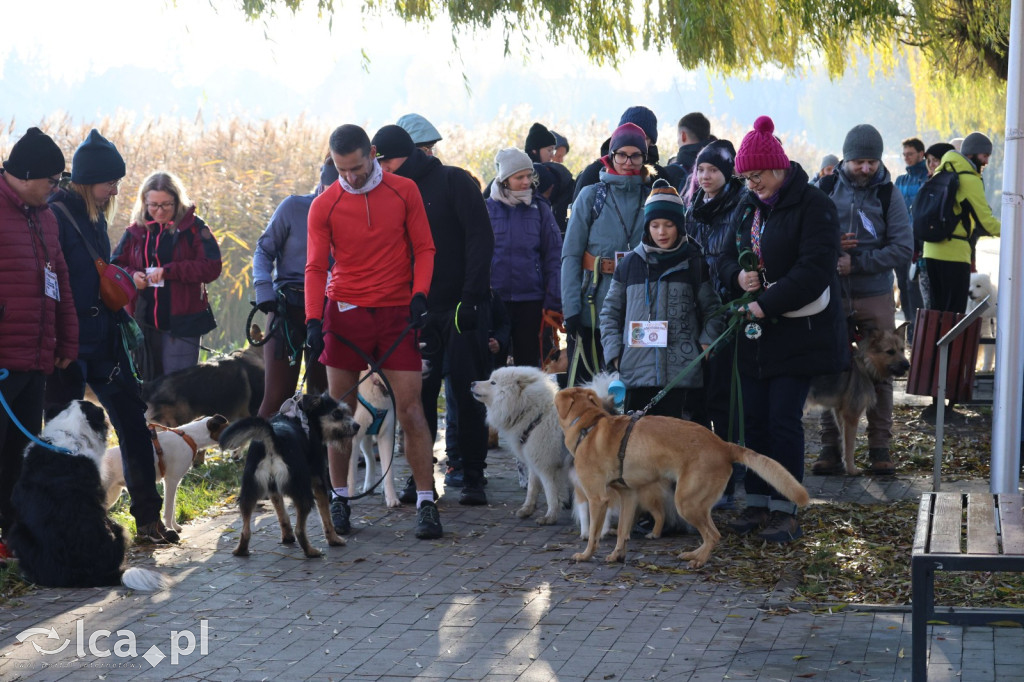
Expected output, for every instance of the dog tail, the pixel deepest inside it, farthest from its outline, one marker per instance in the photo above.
(145, 580)
(244, 430)
(774, 474)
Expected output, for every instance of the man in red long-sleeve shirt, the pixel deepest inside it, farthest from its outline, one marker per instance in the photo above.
(375, 228)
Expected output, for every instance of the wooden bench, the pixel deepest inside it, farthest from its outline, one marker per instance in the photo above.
(961, 532)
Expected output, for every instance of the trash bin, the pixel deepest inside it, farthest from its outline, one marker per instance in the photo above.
(932, 325)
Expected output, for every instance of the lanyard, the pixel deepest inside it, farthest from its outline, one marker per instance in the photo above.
(625, 228)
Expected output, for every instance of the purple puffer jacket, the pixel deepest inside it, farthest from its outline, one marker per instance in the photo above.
(527, 253)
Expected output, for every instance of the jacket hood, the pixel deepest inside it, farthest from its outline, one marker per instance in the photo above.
(960, 162)
(418, 165)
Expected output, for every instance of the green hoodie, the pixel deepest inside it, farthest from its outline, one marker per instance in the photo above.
(973, 190)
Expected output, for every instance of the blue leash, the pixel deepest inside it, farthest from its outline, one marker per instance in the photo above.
(14, 420)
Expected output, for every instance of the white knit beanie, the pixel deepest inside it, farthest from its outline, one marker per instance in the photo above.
(510, 161)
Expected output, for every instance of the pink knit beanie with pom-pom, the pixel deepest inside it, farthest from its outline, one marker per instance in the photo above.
(760, 150)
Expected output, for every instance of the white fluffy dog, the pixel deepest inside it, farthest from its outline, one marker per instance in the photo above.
(520, 405)
(982, 286)
(178, 449)
(375, 415)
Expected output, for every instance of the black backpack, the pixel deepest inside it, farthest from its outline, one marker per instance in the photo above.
(934, 218)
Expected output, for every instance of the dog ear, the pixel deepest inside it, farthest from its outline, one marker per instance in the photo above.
(901, 331)
(593, 399)
(563, 402)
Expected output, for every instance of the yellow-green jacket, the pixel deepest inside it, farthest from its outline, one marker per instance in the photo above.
(973, 190)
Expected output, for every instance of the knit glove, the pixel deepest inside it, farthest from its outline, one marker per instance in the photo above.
(267, 306)
(572, 325)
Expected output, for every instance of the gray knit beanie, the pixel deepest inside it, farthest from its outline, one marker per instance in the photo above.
(510, 161)
(976, 143)
(863, 142)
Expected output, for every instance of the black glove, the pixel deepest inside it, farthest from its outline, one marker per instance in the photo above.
(467, 317)
(315, 338)
(572, 325)
(418, 311)
(268, 306)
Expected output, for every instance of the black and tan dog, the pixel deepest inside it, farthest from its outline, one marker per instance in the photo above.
(288, 456)
(656, 448)
(878, 356)
(231, 385)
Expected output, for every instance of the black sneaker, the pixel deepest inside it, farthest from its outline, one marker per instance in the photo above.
(428, 522)
(473, 495)
(155, 533)
(408, 494)
(781, 527)
(340, 513)
(750, 520)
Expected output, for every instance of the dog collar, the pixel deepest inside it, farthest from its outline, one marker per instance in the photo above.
(529, 429)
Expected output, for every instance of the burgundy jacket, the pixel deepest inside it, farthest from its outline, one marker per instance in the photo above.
(190, 257)
(34, 328)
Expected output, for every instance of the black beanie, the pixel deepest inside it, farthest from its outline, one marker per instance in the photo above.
(560, 141)
(720, 154)
(939, 149)
(538, 138)
(545, 178)
(35, 156)
(96, 160)
(393, 142)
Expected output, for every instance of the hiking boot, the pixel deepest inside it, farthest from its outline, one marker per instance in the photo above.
(454, 478)
(155, 533)
(829, 462)
(473, 494)
(781, 527)
(428, 522)
(750, 520)
(881, 462)
(340, 516)
(408, 495)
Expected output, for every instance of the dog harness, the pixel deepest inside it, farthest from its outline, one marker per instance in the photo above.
(378, 414)
(160, 451)
(529, 429)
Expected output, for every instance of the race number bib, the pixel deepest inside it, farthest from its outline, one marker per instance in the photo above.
(648, 334)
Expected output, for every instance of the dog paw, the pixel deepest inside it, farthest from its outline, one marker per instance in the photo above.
(652, 535)
(336, 541)
(695, 561)
(288, 539)
(524, 512)
(616, 557)
(547, 520)
(392, 502)
(314, 553)
(853, 471)
(580, 556)
(241, 552)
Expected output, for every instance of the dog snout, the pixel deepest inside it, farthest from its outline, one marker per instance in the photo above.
(900, 368)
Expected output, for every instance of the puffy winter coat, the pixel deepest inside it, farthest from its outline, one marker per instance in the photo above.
(618, 227)
(670, 287)
(800, 249)
(710, 225)
(527, 253)
(190, 257)
(34, 328)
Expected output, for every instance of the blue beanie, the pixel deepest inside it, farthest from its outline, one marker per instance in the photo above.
(664, 202)
(96, 160)
(643, 117)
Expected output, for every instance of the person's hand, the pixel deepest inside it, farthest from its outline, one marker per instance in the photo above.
(139, 277)
(61, 363)
(753, 310)
(315, 338)
(155, 276)
(267, 306)
(844, 264)
(848, 240)
(466, 317)
(553, 318)
(418, 310)
(572, 325)
(493, 345)
(749, 280)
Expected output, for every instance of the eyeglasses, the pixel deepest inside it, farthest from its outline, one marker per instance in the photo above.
(113, 184)
(53, 182)
(159, 207)
(622, 157)
(753, 178)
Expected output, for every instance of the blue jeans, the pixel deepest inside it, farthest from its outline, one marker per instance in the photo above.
(773, 417)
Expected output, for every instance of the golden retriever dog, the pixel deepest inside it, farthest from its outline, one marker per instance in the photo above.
(654, 448)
